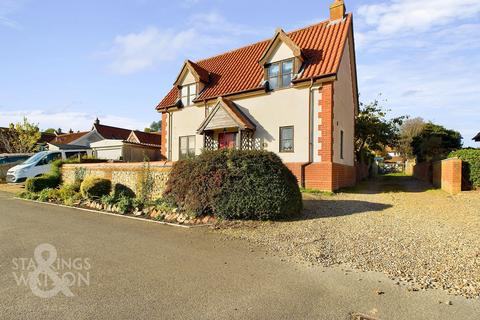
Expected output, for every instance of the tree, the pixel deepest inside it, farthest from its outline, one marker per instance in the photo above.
(409, 130)
(155, 126)
(49, 130)
(21, 137)
(435, 142)
(373, 131)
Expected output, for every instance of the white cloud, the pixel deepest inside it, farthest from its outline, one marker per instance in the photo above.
(143, 50)
(78, 121)
(416, 16)
(412, 50)
(7, 8)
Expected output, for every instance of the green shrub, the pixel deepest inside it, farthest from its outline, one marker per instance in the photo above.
(48, 180)
(42, 182)
(69, 194)
(28, 195)
(162, 205)
(470, 165)
(234, 184)
(122, 190)
(95, 188)
(124, 204)
(108, 199)
(49, 195)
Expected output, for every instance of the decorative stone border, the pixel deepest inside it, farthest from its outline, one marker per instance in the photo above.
(152, 213)
(172, 219)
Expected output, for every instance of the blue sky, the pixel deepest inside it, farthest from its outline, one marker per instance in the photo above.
(63, 63)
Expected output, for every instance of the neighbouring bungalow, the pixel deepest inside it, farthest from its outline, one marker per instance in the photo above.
(112, 143)
(294, 94)
(137, 147)
(477, 138)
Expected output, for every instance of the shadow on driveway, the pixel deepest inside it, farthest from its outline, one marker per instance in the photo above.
(389, 183)
(317, 209)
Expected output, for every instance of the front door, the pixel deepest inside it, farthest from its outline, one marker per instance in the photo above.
(226, 140)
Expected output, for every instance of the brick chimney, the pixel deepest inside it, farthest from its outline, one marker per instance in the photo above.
(337, 10)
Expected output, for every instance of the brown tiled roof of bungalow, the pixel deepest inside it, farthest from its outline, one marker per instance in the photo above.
(68, 137)
(150, 138)
(239, 70)
(109, 132)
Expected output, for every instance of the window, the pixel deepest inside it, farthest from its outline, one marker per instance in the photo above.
(50, 158)
(280, 74)
(75, 154)
(341, 144)
(286, 139)
(188, 93)
(186, 147)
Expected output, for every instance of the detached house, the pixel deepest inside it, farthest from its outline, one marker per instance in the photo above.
(294, 94)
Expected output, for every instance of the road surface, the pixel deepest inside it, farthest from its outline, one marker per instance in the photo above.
(140, 270)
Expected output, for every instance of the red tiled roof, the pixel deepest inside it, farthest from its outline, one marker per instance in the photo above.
(108, 132)
(153, 138)
(68, 137)
(238, 70)
(202, 73)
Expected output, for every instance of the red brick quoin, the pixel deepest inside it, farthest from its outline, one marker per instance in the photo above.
(326, 174)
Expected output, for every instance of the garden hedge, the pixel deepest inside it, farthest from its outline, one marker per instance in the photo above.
(42, 182)
(234, 184)
(470, 165)
(95, 188)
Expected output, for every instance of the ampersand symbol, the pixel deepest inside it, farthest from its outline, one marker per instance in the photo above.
(44, 266)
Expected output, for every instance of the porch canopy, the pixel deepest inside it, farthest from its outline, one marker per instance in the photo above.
(226, 115)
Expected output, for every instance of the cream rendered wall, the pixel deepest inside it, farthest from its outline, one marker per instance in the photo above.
(185, 122)
(281, 52)
(188, 78)
(108, 149)
(284, 107)
(344, 111)
(287, 107)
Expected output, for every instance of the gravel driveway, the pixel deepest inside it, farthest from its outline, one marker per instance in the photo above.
(419, 237)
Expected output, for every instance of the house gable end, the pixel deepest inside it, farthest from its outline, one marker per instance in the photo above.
(280, 41)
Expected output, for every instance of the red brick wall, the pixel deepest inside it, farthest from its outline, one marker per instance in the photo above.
(446, 174)
(319, 176)
(297, 169)
(164, 136)
(343, 176)
(327, 175)
(326, 127)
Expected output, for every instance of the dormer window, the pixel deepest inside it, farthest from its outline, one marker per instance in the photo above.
(188, 94)
(280, 74)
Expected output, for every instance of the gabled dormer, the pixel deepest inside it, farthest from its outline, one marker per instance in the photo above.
(190, 82)
(282, 61)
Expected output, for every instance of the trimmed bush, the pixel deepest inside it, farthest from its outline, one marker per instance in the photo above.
(470, 165)
(49, 180)
(95, 188)
(122, 190)
(234, 184)
(42, 182)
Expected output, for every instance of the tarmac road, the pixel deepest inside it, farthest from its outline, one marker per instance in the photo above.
(140, 270)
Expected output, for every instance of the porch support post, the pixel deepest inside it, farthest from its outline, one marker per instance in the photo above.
(238, 139)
